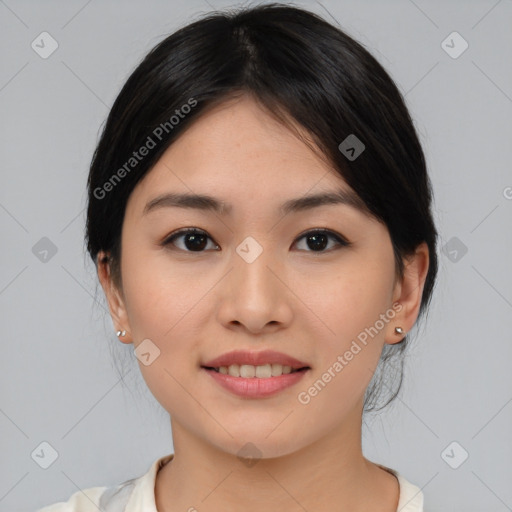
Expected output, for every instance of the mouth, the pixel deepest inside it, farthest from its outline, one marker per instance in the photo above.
(254, 382)
(251, 375)
(250, 364)
(249, 371)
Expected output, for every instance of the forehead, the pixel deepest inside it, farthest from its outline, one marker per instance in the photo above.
(238, 150)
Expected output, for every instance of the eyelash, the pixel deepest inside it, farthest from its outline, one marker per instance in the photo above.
(340, 240)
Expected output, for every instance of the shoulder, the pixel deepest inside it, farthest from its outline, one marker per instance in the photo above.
(87, 499)
(125, 497)
(411, 496)
(106, 499)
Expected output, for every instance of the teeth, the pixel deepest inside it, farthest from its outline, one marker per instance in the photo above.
(249, 371)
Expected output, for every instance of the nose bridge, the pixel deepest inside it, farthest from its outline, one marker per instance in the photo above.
(256, 297)
(252, 262)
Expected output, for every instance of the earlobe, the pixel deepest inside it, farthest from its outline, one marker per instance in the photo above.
(409, 292)
(114, 298)
(397, 335)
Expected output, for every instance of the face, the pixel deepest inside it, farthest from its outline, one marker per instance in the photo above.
(315, 283)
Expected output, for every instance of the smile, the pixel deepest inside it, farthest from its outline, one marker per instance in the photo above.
(249, 371)
(253, 386)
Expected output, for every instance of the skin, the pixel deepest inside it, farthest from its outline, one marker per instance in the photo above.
(309, 304)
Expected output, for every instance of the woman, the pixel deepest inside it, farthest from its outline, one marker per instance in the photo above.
(260, 218)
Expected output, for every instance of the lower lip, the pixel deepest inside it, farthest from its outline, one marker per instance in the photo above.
(255, 387)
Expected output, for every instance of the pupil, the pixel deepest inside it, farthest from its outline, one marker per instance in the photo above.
(197, 241)
(316, 239)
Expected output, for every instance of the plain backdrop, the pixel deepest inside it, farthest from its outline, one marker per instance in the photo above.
(59, 383)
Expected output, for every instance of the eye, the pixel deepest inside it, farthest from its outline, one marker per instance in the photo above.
(196, 240)
(318, 240)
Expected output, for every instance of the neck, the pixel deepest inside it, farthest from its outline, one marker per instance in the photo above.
(330, 472)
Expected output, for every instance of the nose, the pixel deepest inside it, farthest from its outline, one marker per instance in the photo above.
(255, 295)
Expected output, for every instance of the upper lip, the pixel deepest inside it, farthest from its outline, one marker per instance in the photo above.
(254, 358)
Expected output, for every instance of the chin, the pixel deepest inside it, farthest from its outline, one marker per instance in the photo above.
(257, 444)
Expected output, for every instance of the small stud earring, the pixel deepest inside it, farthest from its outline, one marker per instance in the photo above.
(399, 330)
(121, 333)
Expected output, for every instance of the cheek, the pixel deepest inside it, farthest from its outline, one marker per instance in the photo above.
(161, 309)
(348, 352)
(162, 304)
(353, 297)
(157, 295)
(350, 303)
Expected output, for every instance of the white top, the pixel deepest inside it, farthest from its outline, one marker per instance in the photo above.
(138, 494)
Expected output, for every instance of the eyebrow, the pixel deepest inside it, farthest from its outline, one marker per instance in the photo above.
(208, 203)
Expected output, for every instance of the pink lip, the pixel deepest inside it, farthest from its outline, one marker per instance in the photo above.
(255, 359)
(255, 387)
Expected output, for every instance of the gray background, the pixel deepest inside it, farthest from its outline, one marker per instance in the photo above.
(58, 382)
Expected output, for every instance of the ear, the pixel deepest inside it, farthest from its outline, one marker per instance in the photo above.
(114, 297)
(408, 292)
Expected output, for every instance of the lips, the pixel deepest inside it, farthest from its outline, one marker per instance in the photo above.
(245, 357)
